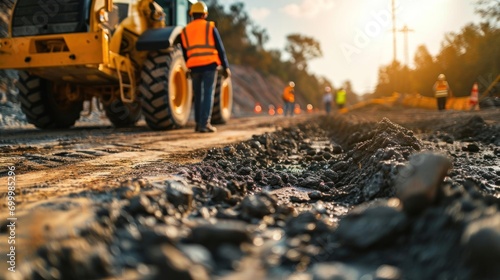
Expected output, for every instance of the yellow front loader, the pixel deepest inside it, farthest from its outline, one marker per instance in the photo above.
(126, 53)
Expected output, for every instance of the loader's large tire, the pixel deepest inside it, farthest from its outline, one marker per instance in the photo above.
(166, 92)
(223, 100)
(45, 105)
(123, 114)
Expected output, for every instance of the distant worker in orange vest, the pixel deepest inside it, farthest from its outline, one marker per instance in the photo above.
(441, 91)
(204, 52)
(289, 99)
(340, 98)
(474, 97)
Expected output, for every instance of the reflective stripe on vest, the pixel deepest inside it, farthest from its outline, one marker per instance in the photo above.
(198, 40)
(441, 89)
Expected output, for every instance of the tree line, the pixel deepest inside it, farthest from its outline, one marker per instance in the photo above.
(471, 55)
(466, 57)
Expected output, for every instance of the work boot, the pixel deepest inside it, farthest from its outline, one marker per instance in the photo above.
(197, 128)
(207, 129)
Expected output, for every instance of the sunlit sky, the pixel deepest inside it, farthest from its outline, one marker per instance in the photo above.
(355, 35)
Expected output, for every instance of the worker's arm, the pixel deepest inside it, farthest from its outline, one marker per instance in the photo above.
(184, 51)
(220, 49)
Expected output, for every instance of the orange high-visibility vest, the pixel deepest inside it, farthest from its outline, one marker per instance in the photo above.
(288, 94)
(198, 40)
(441, 89)
(474, 95)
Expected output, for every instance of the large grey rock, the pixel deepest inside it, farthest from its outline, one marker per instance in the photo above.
(418, 183)
(481, 240)
(367, 225)
(73, 259)
(173, 264)
(140, 204)
(374, 186)
(224, 232)
(180, 194)
(198, 254)
(305, 223)
(258, 206)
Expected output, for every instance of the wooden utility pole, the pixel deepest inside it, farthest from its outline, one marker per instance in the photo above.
(405, 30)
(394, 82)
(393, 32)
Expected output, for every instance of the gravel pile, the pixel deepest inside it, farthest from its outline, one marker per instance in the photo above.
(330, 199)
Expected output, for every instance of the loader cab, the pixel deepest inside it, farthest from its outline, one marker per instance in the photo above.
(121, 10)
(176, 11)
(32, 17)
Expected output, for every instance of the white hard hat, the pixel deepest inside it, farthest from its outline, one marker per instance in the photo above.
(441, 77)
(292, 84)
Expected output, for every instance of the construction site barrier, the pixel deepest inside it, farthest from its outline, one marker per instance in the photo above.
(412, 101)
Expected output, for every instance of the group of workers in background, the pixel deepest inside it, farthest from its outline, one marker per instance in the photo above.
(204, 52)
(441, 90)
(328, 98)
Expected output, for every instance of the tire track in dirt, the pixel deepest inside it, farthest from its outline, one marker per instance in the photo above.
(54, 166)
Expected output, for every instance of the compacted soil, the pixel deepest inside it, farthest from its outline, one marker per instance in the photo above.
(377, 193)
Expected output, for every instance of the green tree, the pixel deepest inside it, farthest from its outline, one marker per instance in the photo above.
(392, 78)
(261, 36)
(302, 49)
(425, 73)
(232, 26)
(351, 96)
(467, 56)
(489, 9)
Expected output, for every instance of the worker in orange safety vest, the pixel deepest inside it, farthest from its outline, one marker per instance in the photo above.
(441, 91)
(474, 97)
(204, 52)
(289, 98)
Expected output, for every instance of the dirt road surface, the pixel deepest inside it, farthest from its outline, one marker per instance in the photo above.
(50, 165)
(56, 163)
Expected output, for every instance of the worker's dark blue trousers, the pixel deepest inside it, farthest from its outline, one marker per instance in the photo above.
(288, 110)
(441, 103)
(203, 90)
